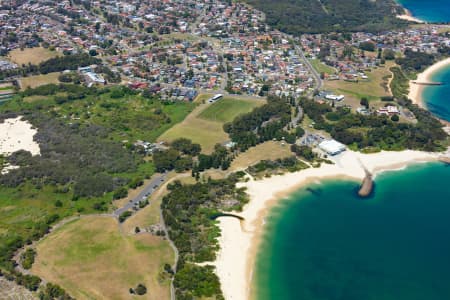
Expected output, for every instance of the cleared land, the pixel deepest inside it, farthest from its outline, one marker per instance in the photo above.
(31, 55)
(38, 80)
(266, 151)
(11, 291)
(226, 109)
(321, 67)
(205, 124)
(92, 259)
(373, 88)
(202, 98)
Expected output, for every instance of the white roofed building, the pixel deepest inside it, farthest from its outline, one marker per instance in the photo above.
(332, 147)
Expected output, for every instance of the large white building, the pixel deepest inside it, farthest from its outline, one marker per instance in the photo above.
(333, 97)
(332, 147)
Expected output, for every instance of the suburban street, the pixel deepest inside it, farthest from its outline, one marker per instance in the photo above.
(315, 74)
(145, 193)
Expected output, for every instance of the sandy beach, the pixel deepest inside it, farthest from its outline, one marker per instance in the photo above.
(410, 18)
(407, 15)
(17, 134)
(415, 90)
(239, 240)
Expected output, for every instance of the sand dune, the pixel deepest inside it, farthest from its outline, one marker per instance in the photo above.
(16, 134)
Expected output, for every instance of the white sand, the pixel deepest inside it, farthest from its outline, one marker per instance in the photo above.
(16, 134)
(415, 90)
(407, 15)
(239, 241)
(410, 18)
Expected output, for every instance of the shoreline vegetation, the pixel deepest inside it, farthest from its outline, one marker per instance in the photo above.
(330, 16)
(416, 90)
(239, 240)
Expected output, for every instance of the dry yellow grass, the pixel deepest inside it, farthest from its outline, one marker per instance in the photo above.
(204, 130)
(92, 259)
(269, 151)
(150, 215)
(206, 133)
(38, 80)
(373, 88)
(131, 194)
(31, 55)
(202, 98)
(34, 98)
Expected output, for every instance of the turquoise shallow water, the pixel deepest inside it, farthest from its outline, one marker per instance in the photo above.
(437, 98)
(326, 243)
(428, 10)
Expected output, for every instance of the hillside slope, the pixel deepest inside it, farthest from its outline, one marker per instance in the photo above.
(316, 16)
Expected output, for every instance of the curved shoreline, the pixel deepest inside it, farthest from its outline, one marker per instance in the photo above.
(416, 90)
(240, 240)
(408, 16)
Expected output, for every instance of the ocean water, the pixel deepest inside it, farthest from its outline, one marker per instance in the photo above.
(428, 10)
(437, 98)
(325, 243)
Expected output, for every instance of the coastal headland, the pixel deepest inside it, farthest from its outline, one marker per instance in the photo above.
(240, 239)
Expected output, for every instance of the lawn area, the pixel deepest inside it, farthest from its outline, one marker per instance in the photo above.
(31, 55)
(204, 126)
(21, 208)
(321, 67)
(375, 87)
(6, 88)
(92, 259)
(227, 109)
(38, 80)
(201, 98)
(206, 133)
(270, 150)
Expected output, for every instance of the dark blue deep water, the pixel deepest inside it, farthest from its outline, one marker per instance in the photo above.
(430, 11)
(437, 98)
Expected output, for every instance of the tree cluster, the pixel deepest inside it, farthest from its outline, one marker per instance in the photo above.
(414, 60)
(304, 16)
(266, 167)
(262, 124)
(379, 132)
(77, 155)
(189, 212)
(171, 159)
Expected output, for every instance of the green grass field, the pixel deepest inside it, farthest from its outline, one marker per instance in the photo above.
(373, 88)
(22, 207)
(92, 259)
(6, 88)
(205, 124)
(226, 109)
(321, 67)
